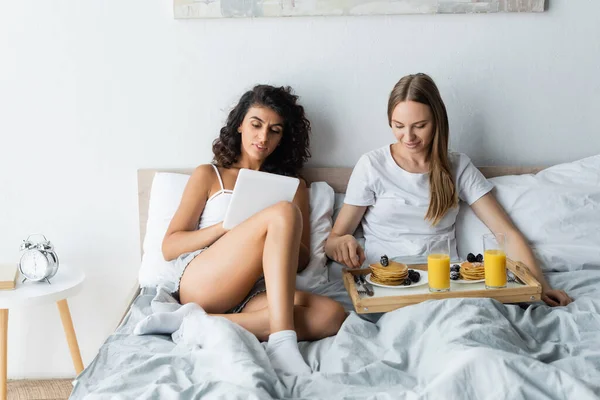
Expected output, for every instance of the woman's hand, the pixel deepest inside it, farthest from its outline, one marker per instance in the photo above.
(556, 297)
(222, 230)
(341, 246)
(347, 251)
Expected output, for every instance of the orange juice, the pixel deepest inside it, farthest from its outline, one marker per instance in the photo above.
(438, 272)
(494, 263)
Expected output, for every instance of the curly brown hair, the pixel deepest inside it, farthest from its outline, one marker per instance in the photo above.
(293, 150)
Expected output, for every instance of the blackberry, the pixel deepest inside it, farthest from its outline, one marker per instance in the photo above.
(407, 282)
(455, 268)
(384, 260)
(471, 257)
(454, 275)
(479, 258)
(414, 276)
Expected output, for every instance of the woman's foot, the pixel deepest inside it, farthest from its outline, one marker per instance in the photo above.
(284, 354)
(165, 323)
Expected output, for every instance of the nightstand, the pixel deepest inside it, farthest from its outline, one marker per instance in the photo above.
(67, 282)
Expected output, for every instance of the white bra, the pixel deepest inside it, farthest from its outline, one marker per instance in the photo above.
(216, 206)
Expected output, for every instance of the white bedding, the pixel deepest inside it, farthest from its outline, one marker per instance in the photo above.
(461, 348)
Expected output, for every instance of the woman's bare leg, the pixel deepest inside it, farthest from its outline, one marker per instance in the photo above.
(268, 243)
(315, 317)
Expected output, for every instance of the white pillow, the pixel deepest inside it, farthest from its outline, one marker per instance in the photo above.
(165, 195)
(167, 189)
(321, 212)
(558, 211)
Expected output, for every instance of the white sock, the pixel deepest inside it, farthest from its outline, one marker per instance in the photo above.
(285, 356)
(164, 323)
(164, 301)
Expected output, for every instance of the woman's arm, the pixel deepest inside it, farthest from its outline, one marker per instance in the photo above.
(491, 213)
(302, 201)
(341, 246)
(182, 235)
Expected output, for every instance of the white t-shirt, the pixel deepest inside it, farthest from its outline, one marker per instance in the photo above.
(394, 223)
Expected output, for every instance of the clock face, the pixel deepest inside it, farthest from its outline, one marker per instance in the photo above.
(34, 265)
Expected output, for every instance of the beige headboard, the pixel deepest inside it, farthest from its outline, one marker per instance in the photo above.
(337, 178)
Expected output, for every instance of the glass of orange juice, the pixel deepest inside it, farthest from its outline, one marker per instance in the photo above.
(494, 260)
(438, 264)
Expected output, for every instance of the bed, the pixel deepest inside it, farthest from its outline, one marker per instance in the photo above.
(455, 348)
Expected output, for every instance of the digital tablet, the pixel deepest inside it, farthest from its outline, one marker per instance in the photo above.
(254, 191)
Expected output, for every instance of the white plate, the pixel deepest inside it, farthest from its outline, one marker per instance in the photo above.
(422, 281)
(466, 281)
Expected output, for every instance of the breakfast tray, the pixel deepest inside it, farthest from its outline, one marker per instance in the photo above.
(525, 289)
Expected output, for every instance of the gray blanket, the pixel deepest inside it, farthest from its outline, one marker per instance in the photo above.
(449, 349)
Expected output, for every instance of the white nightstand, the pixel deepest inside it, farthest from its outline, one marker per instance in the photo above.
(67, 282)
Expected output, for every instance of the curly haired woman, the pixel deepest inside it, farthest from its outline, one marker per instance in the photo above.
(248, 274)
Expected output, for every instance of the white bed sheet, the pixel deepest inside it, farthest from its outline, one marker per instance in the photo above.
(458, 348)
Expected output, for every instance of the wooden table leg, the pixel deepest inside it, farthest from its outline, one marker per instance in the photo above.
(3, 352)
(67, 323)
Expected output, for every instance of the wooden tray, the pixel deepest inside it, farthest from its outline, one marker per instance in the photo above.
(528, 290)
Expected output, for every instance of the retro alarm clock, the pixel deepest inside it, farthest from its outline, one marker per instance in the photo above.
(39, 261)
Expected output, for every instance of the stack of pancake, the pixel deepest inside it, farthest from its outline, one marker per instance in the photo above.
(472, 271)
(393, 275)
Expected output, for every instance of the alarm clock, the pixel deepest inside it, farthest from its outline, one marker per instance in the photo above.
(39, 261)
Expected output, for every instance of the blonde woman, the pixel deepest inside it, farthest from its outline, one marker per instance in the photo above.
(407, 192)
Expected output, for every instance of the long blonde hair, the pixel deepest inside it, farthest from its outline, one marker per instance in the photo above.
(442, 191)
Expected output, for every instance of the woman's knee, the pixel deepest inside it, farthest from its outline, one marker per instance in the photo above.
(332, 316)
(285, 212)
(337, 316)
